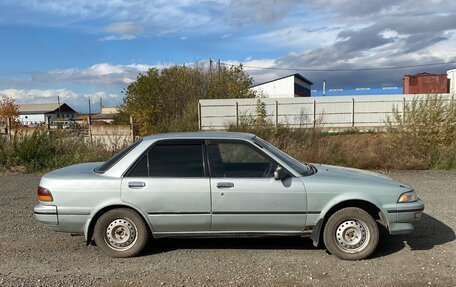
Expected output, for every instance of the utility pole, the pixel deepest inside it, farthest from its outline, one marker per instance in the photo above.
(89, 123)
(210, 67)
(58, 102)
(101, 104)
(90, 109)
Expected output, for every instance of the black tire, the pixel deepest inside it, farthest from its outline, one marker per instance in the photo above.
(351, 234)
(121, 233)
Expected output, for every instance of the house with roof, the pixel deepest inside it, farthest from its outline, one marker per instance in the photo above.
(291, 86)
(37, 114)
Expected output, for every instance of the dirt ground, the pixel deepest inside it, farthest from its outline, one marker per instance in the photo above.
(32, 255)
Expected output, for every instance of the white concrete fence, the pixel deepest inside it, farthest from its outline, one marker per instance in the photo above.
(333, 113)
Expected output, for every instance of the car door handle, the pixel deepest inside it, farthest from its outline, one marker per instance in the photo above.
(136, 184)
(225, 184)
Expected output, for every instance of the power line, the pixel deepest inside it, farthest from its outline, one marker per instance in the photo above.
(343, 70)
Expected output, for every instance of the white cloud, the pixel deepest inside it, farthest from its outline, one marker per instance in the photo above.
(120, 17)
(124, 28)
(103, 74)
(118, 37)
(298, 37)
(78, 101)
(122, 31)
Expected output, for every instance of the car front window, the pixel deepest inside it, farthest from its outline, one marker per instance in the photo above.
(301, 168)
(236, 159)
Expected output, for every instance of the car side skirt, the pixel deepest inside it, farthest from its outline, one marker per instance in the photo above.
(231, 234)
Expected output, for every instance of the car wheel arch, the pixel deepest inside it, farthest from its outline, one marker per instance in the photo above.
(374, 210)
(96, 215)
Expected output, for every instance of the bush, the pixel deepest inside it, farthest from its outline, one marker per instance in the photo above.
(361, 150)
(425, 133)
(41, 150)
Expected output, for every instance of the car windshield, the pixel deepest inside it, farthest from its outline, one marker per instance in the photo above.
(108, 164)
(302, 168)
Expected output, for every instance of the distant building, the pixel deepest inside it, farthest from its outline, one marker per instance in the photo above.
(290, 86)
(109, 110)
(107, 115)
(426, 83)
(36, 114)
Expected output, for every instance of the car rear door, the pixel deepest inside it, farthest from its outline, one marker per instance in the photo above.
(170, 183)
(245, 195)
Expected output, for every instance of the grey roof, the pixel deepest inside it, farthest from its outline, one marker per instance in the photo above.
(297, 75)
(199, 135)
(41, 108)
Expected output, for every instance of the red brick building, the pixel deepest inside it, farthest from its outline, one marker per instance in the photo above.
(426, 83)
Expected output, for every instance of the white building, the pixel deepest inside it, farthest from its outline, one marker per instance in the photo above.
(290, 86)
(452, 76)
(37, 114)
(107, 115)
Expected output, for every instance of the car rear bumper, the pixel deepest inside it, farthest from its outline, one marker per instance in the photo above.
(55, 219)
(46, 214)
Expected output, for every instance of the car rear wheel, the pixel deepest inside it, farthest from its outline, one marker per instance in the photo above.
(121, 233)
(351, 234)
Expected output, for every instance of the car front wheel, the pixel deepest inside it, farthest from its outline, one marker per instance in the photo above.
(121, 233)
(351, 234)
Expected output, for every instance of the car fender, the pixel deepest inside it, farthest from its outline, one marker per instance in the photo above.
(117, 203)
(341, 199)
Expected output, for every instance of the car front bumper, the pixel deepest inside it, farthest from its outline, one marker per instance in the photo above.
(401, 217)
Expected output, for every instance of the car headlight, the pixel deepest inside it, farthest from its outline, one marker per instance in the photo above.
(409, 196)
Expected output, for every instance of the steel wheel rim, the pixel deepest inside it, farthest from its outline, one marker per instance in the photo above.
(352, 236)
(121, 234)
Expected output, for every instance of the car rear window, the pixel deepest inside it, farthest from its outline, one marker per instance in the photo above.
(108, 164)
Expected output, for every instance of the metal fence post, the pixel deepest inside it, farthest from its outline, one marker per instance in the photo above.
(403, 108)
(132, 130)
(236, 113)
(276, 113)
(353, 112)
(89, 126)
(314, 113)
(199, 116)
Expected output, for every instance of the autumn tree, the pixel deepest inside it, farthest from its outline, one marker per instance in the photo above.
(8, 109)
(166, 100)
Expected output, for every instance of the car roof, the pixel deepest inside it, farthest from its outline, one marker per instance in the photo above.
(201, 135)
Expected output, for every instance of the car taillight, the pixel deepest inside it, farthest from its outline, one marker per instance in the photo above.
(44, 194)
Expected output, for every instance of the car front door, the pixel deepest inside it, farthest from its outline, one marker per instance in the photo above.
(171, 184)
(245, 195)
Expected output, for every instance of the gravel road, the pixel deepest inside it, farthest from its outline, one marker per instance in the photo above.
(32, 255)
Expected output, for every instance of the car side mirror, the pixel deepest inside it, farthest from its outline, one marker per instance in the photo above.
(280, 173)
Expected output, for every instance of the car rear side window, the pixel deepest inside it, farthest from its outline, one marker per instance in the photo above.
(171, 160)
(108, 164)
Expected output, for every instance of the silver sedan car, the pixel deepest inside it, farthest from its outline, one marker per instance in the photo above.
(219, 185)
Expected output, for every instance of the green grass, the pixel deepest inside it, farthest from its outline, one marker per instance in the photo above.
(43, 151)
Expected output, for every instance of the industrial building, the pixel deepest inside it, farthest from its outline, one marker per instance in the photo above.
(426, 83)
(37, 114)
(290, 86)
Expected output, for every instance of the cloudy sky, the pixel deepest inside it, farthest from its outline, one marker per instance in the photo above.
(93, 48)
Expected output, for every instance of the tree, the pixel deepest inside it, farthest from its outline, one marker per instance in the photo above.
(166, 100)
(8, 109)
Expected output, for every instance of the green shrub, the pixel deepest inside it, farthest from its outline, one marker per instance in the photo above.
(425, 132)
(42, 150)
